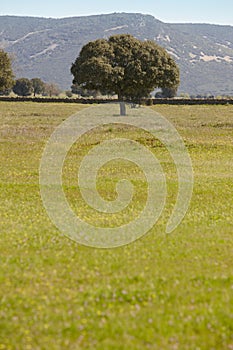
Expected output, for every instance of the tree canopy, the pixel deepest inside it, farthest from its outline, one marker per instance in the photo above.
(6, 74)
(23, 87)
(126, 66)
(38, 86)
(51, 89)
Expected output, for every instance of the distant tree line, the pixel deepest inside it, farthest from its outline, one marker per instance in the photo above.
(26, 87)
(23, 86)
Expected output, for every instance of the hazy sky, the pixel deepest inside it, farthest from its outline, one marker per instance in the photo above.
(199, 11)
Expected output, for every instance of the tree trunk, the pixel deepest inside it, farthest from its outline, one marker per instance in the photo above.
(122, 108)
(122, 104)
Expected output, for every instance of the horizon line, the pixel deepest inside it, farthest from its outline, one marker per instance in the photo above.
(112, 13)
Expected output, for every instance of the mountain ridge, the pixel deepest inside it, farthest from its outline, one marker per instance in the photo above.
(46, 47)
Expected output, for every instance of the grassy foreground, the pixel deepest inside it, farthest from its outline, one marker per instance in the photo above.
(161, 292)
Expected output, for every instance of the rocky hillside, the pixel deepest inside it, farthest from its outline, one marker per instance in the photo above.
(45, 47)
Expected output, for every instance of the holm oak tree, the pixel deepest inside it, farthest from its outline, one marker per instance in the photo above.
(125, 66)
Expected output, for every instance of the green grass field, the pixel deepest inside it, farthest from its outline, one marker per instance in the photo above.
(161, 292)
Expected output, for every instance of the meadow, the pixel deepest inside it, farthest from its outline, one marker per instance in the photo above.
(163, 291)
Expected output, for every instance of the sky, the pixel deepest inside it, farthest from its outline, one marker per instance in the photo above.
(171, 11)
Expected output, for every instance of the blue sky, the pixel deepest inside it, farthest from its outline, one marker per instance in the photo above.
(196, 11)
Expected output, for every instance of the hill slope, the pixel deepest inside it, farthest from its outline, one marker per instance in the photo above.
(45, 47)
